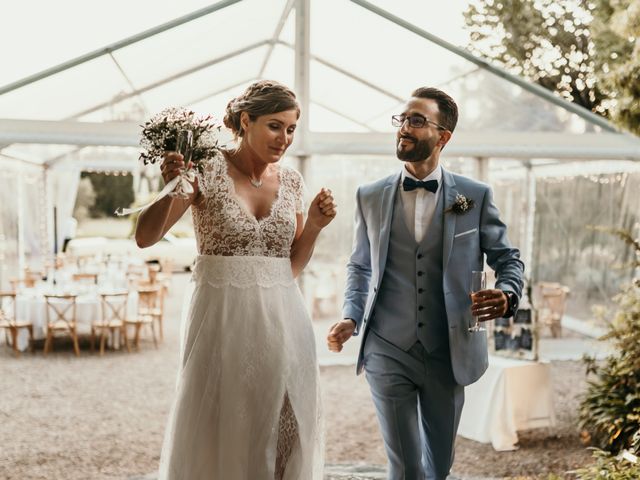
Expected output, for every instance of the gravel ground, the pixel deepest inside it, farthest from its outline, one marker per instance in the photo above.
(103, 417)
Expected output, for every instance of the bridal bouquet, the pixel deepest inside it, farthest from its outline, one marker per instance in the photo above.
(179, 130)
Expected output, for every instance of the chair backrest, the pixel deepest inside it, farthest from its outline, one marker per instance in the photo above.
(18, 283)
(152, 271)
(166, 265)
(150, 297)
(553, 296)
(61, 308)
(8, 306)
(114, 306)
(85, 278)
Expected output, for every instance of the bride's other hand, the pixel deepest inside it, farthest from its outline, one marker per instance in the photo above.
(322, 210)
(171, 165)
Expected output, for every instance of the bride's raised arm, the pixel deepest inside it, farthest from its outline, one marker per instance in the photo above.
(156, 220)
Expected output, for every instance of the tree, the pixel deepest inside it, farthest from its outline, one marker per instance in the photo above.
(616, 35)
(587, 52)
(112, 192)
(85, 199)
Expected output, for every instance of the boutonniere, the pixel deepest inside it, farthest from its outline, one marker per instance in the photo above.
(461, 205)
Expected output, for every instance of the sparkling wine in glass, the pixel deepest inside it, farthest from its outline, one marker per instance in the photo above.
(184, 145)
(478, 283)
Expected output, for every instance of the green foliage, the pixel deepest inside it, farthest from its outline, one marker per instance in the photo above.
(161, 133)
(616, 35)
(609, 467)
(85, 199)
(610, 409)
(111, 192)
(588, 52)
(546, 41)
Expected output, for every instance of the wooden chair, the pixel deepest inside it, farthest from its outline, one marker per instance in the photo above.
(551, 305)
(27, 280)
(20, 283)
(10, 324)
(148, 313)
(156, 282)
(61, 317)
(134, 275)
(85, 278)
(113, 319)
(166, 267)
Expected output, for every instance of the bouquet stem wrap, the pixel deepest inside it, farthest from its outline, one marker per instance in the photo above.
(179, 186)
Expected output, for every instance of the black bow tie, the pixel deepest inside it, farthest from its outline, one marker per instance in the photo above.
(409, 184)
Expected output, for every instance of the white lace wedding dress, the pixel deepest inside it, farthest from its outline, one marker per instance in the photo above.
(247, 404)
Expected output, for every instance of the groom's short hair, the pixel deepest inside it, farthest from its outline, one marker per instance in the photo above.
(446, 105)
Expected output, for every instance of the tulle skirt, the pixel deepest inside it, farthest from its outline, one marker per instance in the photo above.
(247, 343)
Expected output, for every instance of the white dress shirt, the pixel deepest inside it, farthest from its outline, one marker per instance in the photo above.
(420, 204)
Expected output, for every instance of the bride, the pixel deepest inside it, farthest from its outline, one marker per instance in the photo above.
(247, 403)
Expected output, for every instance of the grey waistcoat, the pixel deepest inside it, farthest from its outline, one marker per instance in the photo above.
(410, 302)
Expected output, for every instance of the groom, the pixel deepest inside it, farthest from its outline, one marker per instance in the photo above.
(419, 234)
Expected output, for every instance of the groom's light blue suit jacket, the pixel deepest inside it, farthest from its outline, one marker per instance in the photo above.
(467, 238)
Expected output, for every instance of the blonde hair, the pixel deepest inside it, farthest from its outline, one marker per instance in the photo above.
(260, 98)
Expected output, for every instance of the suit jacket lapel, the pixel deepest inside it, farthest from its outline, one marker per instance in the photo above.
(449, 218)
(386, 215)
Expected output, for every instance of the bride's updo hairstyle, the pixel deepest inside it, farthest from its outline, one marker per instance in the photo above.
(260, 98)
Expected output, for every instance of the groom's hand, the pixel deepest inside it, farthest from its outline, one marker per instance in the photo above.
(339, 333)
(489, 304)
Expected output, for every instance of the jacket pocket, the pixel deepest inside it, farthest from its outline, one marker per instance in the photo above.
(465, 233)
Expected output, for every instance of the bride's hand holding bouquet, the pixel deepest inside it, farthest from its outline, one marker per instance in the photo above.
(182, 141)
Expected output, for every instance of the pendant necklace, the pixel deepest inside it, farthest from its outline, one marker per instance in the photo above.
(254, 183)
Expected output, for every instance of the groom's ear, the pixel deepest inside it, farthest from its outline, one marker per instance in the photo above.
(445, 136)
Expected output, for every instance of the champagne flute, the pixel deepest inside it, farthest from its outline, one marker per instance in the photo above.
(478, 283)
(184, 145)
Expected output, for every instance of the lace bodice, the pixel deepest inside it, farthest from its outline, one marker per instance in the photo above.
(224, 225)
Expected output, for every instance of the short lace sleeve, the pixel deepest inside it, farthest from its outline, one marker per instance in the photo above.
(298, 188)
(207, 179)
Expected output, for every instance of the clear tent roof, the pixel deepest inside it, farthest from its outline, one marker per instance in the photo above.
(362, 68)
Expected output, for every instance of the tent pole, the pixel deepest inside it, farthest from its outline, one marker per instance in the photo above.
(302, 62)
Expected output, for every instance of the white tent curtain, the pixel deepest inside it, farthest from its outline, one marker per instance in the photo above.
(23, 224)
(62, 185)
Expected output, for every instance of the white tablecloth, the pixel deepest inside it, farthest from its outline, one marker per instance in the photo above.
(512, 395)
(31, 306)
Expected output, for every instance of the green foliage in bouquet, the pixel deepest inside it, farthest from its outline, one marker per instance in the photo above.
(160, 134)
(610, 409)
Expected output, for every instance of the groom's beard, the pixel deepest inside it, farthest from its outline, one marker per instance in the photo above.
(420, 151)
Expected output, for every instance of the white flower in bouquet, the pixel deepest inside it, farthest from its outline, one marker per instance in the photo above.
(178, 129)
(160, 134)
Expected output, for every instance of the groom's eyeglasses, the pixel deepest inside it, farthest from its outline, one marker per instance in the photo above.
(415, 121)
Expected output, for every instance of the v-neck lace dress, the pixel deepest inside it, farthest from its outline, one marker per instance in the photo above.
(247, 404)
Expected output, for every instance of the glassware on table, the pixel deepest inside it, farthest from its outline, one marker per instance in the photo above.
(478, 283)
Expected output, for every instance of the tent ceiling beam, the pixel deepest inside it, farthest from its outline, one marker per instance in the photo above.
(219, 91)
(128, 80)
(508, 145)
(276, 35)
(343, 115)
(171, 78)
(116, 46)
(531, 87)
(347, 73)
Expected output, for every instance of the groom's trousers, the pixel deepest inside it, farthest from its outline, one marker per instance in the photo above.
(418, 404)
